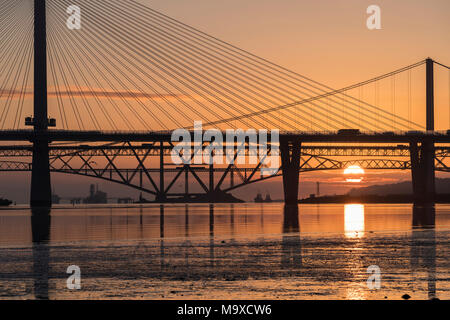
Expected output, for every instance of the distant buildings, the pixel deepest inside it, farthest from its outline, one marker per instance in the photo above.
(56, 199)
(96, 196)
(259, 198)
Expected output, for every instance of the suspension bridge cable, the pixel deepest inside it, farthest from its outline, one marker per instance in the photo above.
(57, 62)
(83, 92)
(9, 23)
(23, 88)
(15, 81)
(59, 101)
(9, 50)
(71, 72)
(80, 51)
(92, 92)
(24, 39)
(319, 119)
(174, 46)
(184, 73)
(56, 85)
(205, 118)
(218, 61)
(218, 85)
(256, 58)
(441, 64)
(111, 73)
(155, 91)
(158, 65)
(216, 51)
(389, 115)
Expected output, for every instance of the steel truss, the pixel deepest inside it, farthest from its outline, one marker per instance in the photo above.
(102, 162)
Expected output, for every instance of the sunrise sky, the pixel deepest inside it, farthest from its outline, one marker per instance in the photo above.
(327, 41)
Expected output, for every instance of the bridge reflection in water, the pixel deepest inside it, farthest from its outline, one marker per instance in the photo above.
(423, 248)
(228, 88)
(40, 229)
(241, 244)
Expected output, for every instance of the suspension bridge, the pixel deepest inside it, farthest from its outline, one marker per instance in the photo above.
(103, 101)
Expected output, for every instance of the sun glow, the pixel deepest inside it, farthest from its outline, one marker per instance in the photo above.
(354, 220)
(354, 174)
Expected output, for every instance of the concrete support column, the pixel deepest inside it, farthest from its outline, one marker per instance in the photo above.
(161, 197)
(211, 189)
(428, 155)
(41, 190)
(186, 182)
(422, 172)
(290, 161)
(231, 177)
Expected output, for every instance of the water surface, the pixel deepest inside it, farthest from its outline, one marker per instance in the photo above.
(225, 251)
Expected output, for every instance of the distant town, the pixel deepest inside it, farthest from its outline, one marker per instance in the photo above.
(388, 193)
(96, 196)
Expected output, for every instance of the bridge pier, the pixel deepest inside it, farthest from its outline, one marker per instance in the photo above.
(422, 159)
(213, 194)
(290, 151)
(422, 172)
(41, 191)
(161, 196)
(186, 182)
(231, 178)
(211, 189)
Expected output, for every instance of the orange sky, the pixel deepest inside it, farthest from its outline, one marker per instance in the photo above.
(327, 41)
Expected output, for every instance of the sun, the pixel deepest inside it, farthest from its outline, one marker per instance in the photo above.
(354, 174)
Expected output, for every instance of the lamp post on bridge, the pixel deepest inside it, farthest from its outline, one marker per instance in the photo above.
(41, 195)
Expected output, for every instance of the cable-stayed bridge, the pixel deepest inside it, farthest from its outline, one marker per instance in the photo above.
(103, 101)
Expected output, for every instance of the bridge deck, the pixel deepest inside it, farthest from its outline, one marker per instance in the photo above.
(93, 136)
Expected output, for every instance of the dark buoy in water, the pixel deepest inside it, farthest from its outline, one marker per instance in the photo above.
(406, 296)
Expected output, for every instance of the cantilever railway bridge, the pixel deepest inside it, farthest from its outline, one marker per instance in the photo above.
(116, 89)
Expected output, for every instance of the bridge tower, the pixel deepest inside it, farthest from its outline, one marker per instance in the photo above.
(40, 177)
(422, 157)
(290, 151)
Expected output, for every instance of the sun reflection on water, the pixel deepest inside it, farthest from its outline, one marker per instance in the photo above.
(354, 220)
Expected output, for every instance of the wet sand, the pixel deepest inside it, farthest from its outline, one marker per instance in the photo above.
(332, 267)
(303, 260)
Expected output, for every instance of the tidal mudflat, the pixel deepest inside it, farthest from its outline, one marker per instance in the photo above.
(245, 251)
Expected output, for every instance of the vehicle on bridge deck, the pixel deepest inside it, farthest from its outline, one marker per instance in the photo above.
(415, 132)
(349, 131)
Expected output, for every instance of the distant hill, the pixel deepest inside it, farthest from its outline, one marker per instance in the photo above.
(442, 186)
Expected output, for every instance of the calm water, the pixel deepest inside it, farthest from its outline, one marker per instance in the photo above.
(243, 251)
